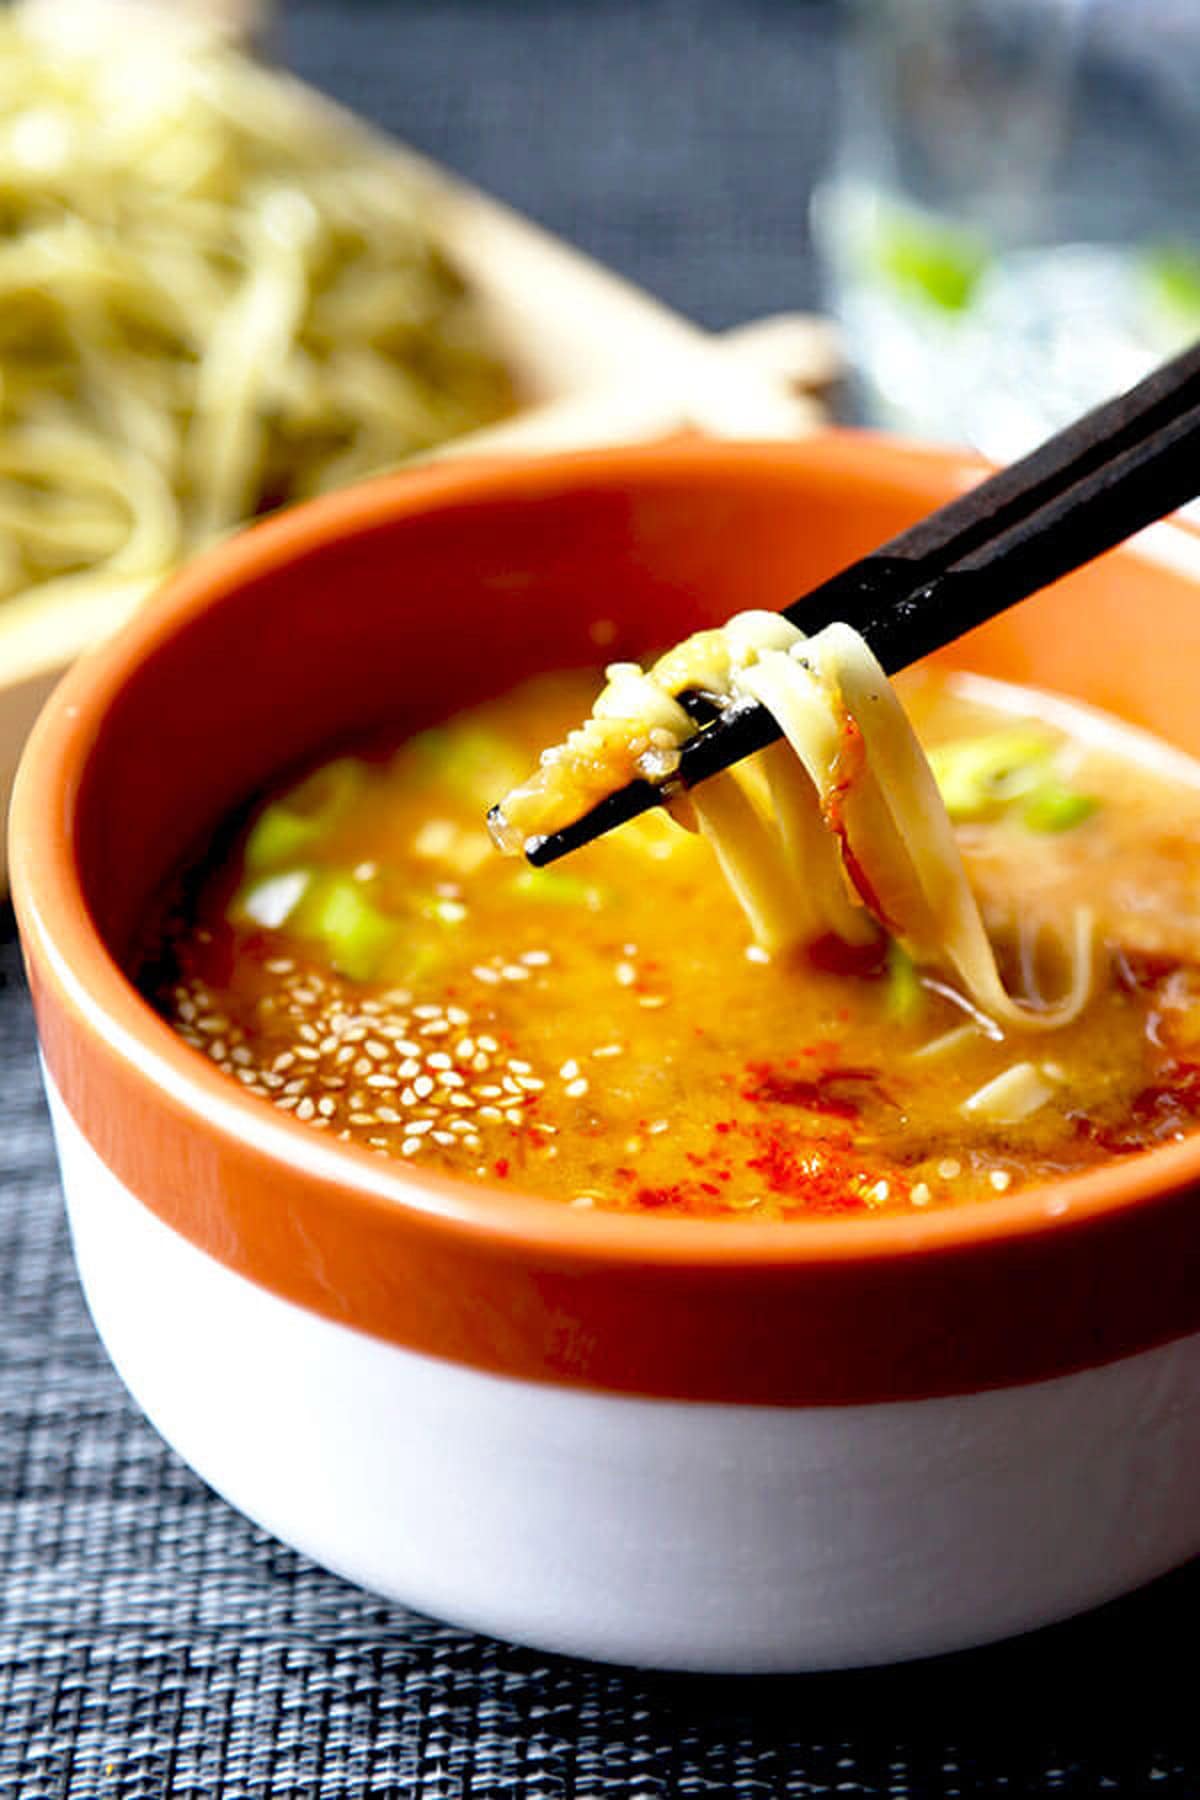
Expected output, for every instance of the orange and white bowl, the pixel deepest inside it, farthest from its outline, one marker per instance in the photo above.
(694, 1444)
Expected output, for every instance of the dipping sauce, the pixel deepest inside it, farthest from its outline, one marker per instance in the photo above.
(606, 1033)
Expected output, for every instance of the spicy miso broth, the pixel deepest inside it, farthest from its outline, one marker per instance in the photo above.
(606, 1033)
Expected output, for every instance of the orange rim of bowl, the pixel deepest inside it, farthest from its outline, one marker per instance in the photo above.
(64, 947)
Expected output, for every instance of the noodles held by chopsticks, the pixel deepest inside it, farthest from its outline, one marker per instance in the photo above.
(840, 831)
(214, 300)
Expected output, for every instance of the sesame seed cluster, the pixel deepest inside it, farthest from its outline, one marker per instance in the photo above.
(377, 1068)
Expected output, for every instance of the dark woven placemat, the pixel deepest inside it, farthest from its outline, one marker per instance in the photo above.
(152, 1643)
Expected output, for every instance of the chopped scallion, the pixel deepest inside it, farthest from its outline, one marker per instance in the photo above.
(476, 764)
(291, 826)
(904, 996)
(1055, 807)
(271, 901)
(557, 889)
(979, 777)
(931, 260)
(353, 932)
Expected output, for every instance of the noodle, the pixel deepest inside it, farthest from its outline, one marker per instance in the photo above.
(857, 838)
(213, 301)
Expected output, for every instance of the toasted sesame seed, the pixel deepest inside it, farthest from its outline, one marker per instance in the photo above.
(410, 1146)
(487, 1043)
(1000, 1179)
(306, 1109)
(575, 1090)
(488, 976)
(922, 1194)
(423, 1086)
(489, 1115)
(536, 959)
(625, 974)
(949, 1168)
(609, 1050)
(569, 1069)
(444, 1138)
(439, 1060)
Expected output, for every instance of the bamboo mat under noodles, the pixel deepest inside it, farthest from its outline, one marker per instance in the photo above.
(153, 1644)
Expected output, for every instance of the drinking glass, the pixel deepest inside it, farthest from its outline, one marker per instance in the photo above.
(1011, 223)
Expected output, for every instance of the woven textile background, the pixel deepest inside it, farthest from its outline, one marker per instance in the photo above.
(153, 1644)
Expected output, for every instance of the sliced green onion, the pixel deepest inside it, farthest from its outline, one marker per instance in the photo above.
(278, 836)
(1055, 807)
(353, 932)
(979, 777)
(288, 828)
(1173, 273)
(904, 997)
(557, 889)
(476, 764)
(936, 262)
(271, 901)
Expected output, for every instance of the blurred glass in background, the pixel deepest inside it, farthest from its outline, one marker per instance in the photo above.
(1011, 223)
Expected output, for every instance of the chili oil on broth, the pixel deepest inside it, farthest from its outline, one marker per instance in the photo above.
(605, 1033)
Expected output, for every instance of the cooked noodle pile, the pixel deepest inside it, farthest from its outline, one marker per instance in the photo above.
(213, 300)
(838, 830)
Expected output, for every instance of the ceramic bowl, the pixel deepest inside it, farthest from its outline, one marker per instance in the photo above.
(706, 1445)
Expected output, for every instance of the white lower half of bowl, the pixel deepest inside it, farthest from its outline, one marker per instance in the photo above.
(679, 1535)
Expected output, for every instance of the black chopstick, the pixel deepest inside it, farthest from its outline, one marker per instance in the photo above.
(1109, 474)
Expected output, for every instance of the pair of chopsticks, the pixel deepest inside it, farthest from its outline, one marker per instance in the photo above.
(1110, 474)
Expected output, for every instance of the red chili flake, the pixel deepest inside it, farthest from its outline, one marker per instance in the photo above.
(501, 1166)
(1163, 1107)
(769, 1087)
(806, 1173)
(723, 1125)
(660, 1196)
(624, 1174)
